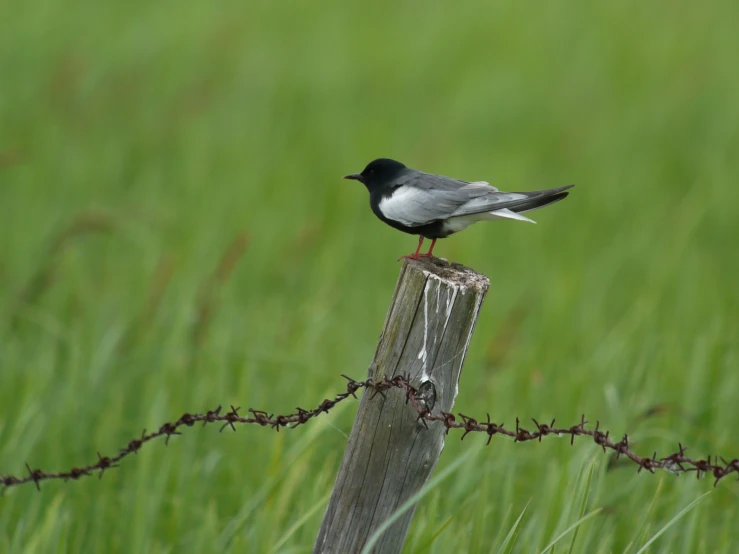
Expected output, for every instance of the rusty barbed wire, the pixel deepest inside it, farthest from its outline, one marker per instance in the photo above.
(676, 462)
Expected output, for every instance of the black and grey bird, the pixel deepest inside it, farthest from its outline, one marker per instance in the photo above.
(434, 206)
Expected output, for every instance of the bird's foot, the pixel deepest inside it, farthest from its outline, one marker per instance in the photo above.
(414, 256)
(410, 256)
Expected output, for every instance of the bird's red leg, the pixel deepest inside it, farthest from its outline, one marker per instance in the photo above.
(415, 255)
(430, 253)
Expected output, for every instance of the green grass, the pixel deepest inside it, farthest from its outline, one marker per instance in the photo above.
(138, 141)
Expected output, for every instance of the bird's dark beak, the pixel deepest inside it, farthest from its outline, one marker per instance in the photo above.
(354, 176)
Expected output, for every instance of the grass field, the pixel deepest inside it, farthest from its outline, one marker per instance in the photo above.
(142, 142)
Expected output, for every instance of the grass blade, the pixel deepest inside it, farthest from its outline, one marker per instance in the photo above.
(670, 523)
(408, 504)
(583, 504)
(570, 528)
(426, 545)
(512, 533)
(645, 518)
(298, 524)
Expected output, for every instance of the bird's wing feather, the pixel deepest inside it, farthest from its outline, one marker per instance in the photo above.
(421, 198)
(515, 201)
(429, 181)
(483, 184)
(490, 202)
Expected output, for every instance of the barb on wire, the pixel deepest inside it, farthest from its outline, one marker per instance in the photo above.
(677, 462)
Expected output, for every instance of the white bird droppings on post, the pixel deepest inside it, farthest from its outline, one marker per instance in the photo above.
(423, 354)
(452, 289)
(450, 297)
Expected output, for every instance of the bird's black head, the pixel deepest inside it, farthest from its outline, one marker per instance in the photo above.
(378, 173)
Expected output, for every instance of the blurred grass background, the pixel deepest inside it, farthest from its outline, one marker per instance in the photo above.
(174, 235)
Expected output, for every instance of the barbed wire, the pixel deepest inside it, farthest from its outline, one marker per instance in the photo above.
(676, 462)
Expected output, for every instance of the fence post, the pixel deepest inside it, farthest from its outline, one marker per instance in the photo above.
(391, 454)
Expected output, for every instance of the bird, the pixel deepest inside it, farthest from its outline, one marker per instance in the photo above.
(435, 206)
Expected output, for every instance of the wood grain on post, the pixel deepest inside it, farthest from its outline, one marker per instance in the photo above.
(391, 454)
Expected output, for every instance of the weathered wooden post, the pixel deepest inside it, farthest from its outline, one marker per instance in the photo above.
(391, 454)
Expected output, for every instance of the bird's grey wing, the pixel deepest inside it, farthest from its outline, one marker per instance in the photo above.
(429, 181)
(516, 201)
(490, 202)
(422, 198)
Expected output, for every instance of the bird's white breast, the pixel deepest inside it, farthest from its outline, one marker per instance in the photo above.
(406, 206)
